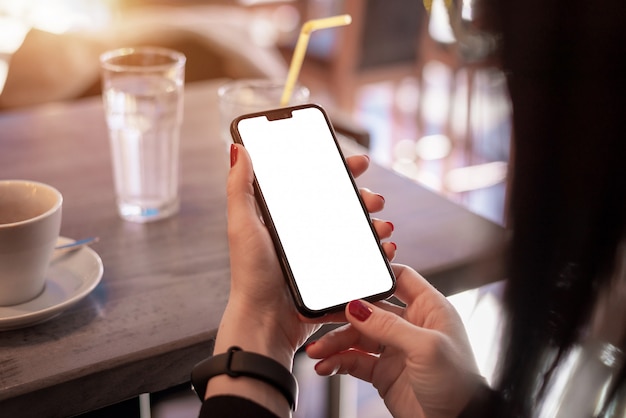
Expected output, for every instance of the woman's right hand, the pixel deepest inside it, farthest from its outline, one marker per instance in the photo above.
(418, 358)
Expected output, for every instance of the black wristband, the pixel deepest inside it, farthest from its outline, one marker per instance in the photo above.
(236, 362)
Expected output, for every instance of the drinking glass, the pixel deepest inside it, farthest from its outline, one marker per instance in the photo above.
(142, 89)
(239, 97)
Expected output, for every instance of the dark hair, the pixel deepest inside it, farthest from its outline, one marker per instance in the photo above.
(565, 63)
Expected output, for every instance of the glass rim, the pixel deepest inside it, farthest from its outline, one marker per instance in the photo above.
(178, 58)
(267, 83)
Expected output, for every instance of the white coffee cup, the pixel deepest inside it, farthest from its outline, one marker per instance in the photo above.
(30, 222)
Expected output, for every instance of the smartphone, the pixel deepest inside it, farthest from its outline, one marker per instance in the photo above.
(323, 235)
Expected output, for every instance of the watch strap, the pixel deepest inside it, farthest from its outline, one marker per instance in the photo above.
(235, 363)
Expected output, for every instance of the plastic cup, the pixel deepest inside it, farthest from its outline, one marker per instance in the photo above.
(240, 97)
(142, 89)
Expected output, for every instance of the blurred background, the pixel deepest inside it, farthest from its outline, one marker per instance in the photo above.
(417, 82)
(432, 106)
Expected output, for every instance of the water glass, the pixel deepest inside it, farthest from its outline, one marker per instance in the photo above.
(142, 89)
(239, 97)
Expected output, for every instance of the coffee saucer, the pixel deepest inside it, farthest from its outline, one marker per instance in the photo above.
(70, 278)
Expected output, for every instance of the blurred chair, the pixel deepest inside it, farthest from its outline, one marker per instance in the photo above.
(216, 40)
(464, 41)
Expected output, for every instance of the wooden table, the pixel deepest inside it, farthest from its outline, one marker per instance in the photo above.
(165, 284)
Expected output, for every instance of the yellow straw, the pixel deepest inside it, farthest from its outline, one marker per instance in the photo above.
(300, 49)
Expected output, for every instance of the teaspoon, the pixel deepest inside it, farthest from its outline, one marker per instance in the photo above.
(71, 246)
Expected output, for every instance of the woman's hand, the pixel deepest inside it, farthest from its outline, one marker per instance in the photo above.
(418, 358)
(259, 296)
(260, 307)
(260, 316)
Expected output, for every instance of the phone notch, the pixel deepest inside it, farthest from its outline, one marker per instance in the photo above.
(279, 114)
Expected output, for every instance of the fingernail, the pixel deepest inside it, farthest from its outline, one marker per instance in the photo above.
(233, 154)
(367, 156)
(395, 247)
(316, 366)
(391, 225)
(382, 197)
(359, 310)
(323, 373)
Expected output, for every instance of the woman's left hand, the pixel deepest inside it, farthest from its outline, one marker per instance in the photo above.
(418, 357)
(261, 315)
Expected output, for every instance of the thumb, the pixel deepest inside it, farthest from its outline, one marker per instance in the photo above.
(384, 327)
(240, 189)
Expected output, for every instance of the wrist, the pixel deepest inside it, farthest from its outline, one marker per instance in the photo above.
(254, 332)
(246, 374)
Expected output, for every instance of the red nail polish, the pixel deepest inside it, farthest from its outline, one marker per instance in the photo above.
(359, 310)
(391, 225)
(233, 154)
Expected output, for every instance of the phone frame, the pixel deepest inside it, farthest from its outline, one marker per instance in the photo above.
(282, 113)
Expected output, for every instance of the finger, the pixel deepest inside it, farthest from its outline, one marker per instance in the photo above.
(332, 342)
(384, 229)
(389, 306)
(242, 211)
(374, 202)
(340, 317)
(355, 363)
(411, 286)
(391, 330)
(339, 340)
(358, 164)
(347, 337)
(390, 249)
(426, 306)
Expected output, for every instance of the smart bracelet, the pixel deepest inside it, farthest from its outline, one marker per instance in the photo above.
(236, 362)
